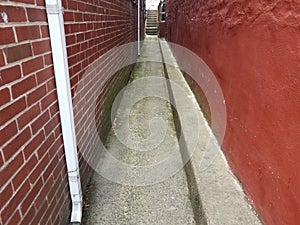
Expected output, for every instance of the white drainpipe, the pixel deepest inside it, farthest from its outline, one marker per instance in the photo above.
(62, 78)
(139, 27)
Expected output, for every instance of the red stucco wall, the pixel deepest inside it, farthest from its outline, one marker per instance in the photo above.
(253, 48)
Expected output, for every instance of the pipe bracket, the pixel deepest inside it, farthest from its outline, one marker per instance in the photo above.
(54, 9)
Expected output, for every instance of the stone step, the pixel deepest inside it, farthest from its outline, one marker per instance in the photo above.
(153, 32)
(151, 24)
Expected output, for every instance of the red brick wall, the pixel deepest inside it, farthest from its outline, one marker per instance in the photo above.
(90, 33)
(33, 184)
(253, 49)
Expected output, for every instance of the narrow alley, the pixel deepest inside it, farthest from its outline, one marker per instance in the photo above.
(149, 112)
(158, 185)
(166, 202)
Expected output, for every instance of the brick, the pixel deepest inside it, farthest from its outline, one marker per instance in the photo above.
(47, 220)
(75, 49)
(73, 59)
(36, 95)
(28, 116)
(1, 160)
(62, 202)
(80, 37)
(42, 212)
(31, 196)
(50, 168)
(15, 218)
(60, 166)
(29, 216)
(35, 15)
(32, 146)
(25, 1)
(23, 86)
(36, 173)
(72, 4)
(48, 59)
(40, 122)
(40, 2)
(78, 17)
(74, 70)
(57, 220)
(54, 109)
(25, 171)
(2, 61)
(8, 132)
(87, 17)
(32, 65)
(49, 127)
(44, 75)
(16, 53)
(75, 28)
(10, 149)
(7, 172)
(4, 96)
(84, 46)
(45, 31)
(6, 35)
(25, 33)
(51, 85)
(40, 47)
(12, 110)
(14, 13)
(67, 28)
(71, 39)
(49, 99)
(9, 75)
(45, 146)
(5, 195)
(60, 199)
(68, 16)
(52, 191)
(41, 198)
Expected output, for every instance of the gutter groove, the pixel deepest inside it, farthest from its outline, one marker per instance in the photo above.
(194, 194)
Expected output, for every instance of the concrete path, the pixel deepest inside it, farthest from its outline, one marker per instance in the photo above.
(140, 180)
(158, 194)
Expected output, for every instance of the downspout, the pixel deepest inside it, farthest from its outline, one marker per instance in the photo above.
(61, 70)
(139, 27)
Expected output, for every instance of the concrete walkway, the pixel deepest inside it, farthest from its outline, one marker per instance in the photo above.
(149, 177)
(166, 202)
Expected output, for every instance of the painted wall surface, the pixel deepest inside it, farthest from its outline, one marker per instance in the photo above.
(253, 48)
(33, 180)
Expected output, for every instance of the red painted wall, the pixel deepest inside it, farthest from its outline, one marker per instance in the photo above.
(253, 49)
(162, 29)
(33, 179)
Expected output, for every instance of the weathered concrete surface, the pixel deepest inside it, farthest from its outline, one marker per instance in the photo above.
(166, 202)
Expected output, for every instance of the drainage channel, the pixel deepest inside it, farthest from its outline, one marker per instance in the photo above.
(148, 189)
(189, 172)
